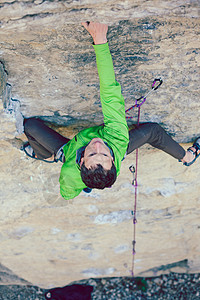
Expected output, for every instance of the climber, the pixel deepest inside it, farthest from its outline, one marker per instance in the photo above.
(92, 159)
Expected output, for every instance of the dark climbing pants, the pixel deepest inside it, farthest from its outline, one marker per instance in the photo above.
(46, 141)
(156, 136)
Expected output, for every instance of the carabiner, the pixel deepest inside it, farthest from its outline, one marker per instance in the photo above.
(142, 99)
(156, 81)
(132, 169)
(133, 244)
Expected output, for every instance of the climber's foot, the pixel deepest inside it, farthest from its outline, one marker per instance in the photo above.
(192, 153)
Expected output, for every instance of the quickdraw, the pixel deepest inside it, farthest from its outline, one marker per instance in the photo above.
(134, 170)
(138, 102)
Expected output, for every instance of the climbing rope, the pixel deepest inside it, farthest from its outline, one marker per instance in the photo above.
(134, 170)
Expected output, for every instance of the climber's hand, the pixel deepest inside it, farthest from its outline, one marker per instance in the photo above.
(98, 31)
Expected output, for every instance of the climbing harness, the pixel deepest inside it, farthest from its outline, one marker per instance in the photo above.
(134, 170)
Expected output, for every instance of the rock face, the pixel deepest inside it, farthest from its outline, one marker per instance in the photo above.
(51, 70)
(51, 63)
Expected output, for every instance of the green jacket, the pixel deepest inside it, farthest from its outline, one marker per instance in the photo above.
(114, 131)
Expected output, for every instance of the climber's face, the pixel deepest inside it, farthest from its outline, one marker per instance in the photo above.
(95, 153)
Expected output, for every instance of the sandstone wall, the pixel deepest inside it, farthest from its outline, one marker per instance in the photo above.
(51, 69)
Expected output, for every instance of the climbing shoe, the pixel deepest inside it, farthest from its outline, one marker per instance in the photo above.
(30, 152)
(195, 152)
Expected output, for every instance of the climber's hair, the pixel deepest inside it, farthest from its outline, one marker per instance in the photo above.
(97, 177)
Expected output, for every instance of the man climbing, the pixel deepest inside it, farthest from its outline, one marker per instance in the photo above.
(92, 159)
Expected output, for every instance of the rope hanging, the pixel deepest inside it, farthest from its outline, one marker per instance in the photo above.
(134, 170)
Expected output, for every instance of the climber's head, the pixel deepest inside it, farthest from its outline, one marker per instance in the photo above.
(97, 166)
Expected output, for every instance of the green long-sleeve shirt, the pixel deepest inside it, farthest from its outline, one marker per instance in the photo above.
(114, 131)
